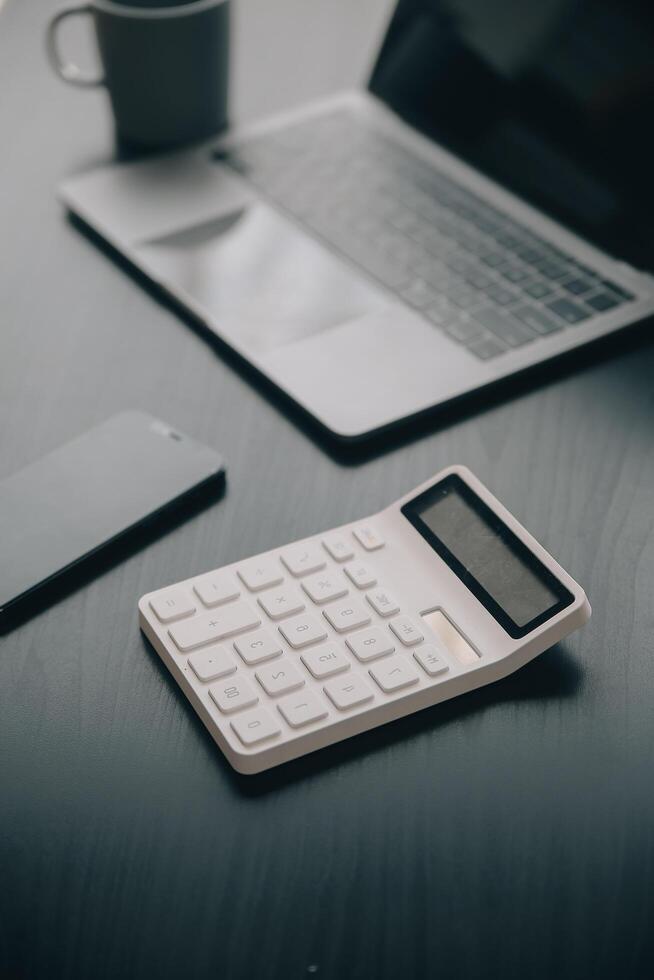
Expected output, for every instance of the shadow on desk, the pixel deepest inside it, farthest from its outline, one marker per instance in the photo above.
(356, 451)
(552, 676)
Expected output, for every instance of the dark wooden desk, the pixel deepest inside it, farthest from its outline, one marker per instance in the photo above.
(508, 834)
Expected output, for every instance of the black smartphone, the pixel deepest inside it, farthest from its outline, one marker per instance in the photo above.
(94, 491)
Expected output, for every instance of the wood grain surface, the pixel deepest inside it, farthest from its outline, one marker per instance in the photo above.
(508, 834)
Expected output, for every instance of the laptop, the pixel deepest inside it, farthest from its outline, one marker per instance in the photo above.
(483, 207)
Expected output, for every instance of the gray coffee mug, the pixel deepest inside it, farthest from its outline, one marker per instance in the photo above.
(165, 66)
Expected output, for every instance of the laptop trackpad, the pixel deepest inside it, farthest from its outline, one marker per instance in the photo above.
(257, 280)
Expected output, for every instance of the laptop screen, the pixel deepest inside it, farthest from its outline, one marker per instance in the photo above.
(553, 99)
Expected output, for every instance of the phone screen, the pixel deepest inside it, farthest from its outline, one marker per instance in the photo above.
(67, 505)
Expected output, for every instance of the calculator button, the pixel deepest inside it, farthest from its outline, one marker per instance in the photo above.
(233, 694)
(383, 602)
(346, 616)
(303, 559)
(393, 674)
(209, 665)
(254, 727)
(281, 603)
(325, 661)
(406, 631)
(431, 661)
(370, 644)
(361, 576)
(279, 678)
(348, 692)
(257, 647)
(171, 605)
(368, 537)
(324, 588)
(214, 589)
(260, 574)
(302, 632)
(338, 547)
(223, 622)
(301, 709)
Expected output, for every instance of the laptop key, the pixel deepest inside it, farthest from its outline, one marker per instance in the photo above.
(478, 279)
(602, 302)
(568, 311)
(464, 330)
(418, 294)
(578, 286)
(440, 316)
(465, 299)
(486, 347)
(504, 326)
(529, 255)
(538, 289)
(551, 270)
(493, 259)
(537, 320)
(514, 274)
(500, 295)
(458, 263)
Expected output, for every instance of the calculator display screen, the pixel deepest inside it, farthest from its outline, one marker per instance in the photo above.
(507, 578)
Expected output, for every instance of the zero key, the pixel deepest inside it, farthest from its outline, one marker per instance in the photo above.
(255, 726)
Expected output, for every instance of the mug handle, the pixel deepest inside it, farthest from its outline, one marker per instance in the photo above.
(68, 70)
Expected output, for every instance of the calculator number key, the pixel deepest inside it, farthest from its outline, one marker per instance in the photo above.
(324, 588)
(302, 632)
(346, 616)
(406, 631)
(255, 726)
(302, 709)
(171, 605)
(281, 603)
(431, 661)
(303, 559)
(393, 674)
(279, 678)
(257, 647)
(212, 663)
(383, 602)
(348, 692)
(368, 537)
(260, 573)
(233, 694)
(360, 575)
(325, 661)
(370, 644)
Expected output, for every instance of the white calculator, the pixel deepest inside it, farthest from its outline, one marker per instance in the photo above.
(294, 649)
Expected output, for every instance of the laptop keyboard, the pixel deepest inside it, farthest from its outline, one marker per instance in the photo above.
(483, 279)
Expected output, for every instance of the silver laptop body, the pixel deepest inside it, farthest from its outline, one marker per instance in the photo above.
(368, 272)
